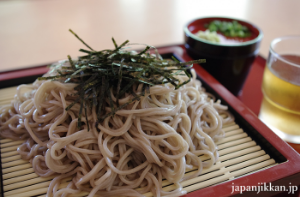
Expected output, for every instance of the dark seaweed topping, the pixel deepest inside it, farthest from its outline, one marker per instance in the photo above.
(97, 73)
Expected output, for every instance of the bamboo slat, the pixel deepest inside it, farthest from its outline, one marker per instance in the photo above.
(239, 156)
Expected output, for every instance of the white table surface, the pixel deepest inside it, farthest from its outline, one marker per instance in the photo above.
(34, 32)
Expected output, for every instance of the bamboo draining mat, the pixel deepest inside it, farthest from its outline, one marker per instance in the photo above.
(239, 156)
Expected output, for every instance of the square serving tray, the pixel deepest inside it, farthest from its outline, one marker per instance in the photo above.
(272, 160)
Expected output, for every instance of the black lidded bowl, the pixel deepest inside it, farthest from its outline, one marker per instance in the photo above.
(228, 63)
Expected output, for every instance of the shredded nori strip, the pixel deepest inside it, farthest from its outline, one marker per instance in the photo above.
(99, 72)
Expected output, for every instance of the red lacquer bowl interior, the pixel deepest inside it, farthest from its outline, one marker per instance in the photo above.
(200, 25)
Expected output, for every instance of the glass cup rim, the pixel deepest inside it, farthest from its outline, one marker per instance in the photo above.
(275, 41)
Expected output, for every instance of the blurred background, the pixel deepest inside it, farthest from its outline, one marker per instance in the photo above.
(34, 32)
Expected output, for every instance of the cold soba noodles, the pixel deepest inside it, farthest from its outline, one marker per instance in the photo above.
(79, 123)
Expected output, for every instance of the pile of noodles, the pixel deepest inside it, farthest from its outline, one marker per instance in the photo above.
(155, 138)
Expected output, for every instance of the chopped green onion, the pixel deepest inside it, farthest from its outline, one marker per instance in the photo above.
(230, 29)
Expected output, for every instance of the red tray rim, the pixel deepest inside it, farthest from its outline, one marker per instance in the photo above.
(278, 172)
